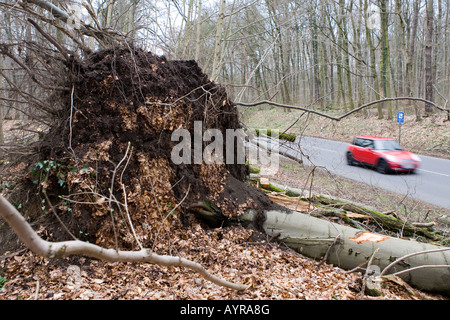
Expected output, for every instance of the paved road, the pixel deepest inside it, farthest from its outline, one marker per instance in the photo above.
(430, 183)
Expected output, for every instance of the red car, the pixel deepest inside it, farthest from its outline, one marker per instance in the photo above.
(385, 154)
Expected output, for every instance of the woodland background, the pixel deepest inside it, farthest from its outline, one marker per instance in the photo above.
(334, 55)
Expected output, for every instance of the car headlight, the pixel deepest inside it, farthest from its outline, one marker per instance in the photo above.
(391, 158)
(415, 157)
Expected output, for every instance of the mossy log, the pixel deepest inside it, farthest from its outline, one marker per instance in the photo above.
(275, 134)
(340, 208)
(386, 221)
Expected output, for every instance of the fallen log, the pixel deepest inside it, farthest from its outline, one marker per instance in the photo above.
(347, 210)
(348, 247)
(386, 221)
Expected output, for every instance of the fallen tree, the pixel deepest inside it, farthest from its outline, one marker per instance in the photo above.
(348, 247)
(349, 212)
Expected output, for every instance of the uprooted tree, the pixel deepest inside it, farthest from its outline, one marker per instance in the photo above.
(103, 168)
(102, 172)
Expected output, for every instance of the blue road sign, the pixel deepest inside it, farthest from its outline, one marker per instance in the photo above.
(400, 117)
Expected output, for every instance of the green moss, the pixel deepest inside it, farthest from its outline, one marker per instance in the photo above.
(254, 169)
(283, 136)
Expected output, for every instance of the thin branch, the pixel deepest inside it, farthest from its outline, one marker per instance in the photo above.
(52, 208)
(276, 104)
(76, 247)
(422, 267)
(325, 257)
(111, 210)
(71, 121)
(125, 200)
(410, 255)
(52, 40)
(367, 272)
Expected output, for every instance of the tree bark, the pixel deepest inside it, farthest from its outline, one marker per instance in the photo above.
(218, 42)
(373, 68)
(385, 55)
(345, 42)
(409, 74)
(428, 58)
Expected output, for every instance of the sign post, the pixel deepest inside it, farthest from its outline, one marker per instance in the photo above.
(400, 120)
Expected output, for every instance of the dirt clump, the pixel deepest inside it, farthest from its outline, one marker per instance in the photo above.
(107, 168)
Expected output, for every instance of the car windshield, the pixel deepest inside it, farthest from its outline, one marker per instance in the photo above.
(388, 145)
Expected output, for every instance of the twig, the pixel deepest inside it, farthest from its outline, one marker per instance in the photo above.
(76, 247)
(344, 115)
(367, 273)
(408, 256)
(325, 257)
(37, 290)
(70, 122)
(356, 268)
(422, 267)
(125, 200)
(111, 195)
(52, 40)
(52, 208)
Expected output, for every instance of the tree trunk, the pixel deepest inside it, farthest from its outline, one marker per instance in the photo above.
(345, 41)
(2, 139)
(315, 55)
(372, 60)
(218, 42)
(348, 247)
(428, 58)
(198, 30)
(385, 56)
(409, 74)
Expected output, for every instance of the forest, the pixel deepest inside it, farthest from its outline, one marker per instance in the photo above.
(91, 93)
(335, 55)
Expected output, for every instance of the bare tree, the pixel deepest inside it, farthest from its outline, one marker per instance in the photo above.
(429, 81)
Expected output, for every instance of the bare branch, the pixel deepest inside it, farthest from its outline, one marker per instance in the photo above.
(410, 255)
(76, 247)
(52, 40)
(276, 104)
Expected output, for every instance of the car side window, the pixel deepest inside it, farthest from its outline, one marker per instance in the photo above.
(358, 142)
(366, 143)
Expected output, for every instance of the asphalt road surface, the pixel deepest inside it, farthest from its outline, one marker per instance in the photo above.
(430, 183)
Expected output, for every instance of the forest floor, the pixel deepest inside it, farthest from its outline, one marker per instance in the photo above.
(273, 271)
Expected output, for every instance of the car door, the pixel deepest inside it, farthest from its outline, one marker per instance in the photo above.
(358, 149)
(365, 151)
(368, 154)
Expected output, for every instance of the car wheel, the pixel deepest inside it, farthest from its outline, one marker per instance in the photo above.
(382, 166)
(350, 159)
